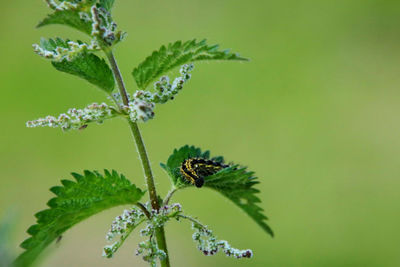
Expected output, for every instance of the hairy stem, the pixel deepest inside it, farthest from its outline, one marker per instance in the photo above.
(193, 220)
(144, 210)
(127, 233)
(169, 195)
(118, 77)
(146, 164)
(160, 234)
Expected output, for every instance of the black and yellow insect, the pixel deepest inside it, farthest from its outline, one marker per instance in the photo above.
(195, 169)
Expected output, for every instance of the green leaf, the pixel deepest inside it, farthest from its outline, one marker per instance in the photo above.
(7, 224)
(75, 201)
(234, 182)
(73, 17)
(176, 54)
(82, 63)
(175, 160)
(107, 4)
(91, 68)
(67, 17)
(52, 44)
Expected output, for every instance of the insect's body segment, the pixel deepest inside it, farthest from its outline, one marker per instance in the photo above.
(195, 169)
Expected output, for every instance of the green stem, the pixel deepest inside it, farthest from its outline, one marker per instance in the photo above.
(126, 234)
(144, 210)
(160, 234)
(118, 77)
(145, 163)
(193, 220)
(169, 195)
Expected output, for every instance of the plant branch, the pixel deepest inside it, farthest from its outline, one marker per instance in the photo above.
(127, 233)
(144, 209)
(193, 220)
(160, 234)
(169, 195)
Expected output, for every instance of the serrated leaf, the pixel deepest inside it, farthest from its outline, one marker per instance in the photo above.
(234, 182)
(52, 44)
(67, 17)
(176, 54)
(76, 201)
(175, 160)
(107, 4)
(91, 68)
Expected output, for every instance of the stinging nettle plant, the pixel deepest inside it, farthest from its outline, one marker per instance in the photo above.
(92, 192)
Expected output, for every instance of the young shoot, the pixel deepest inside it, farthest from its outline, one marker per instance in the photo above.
(91, 192)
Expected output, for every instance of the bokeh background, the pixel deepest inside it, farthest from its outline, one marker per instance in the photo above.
(315, 114)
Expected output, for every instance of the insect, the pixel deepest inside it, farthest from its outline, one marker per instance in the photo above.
(59, 239)
(83, 127)
(195, 169)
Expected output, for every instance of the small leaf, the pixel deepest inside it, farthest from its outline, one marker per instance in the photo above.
(91, 68)
(76, 201)
(234, 182)
(52, 44)
(67, 17)
(107, 4)
(176, 54)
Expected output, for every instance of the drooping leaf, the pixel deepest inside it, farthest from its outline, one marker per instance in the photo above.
(68, 17)
(74, 202)
(176, 54)
(234, 182)
(77, 58)
(91, 68)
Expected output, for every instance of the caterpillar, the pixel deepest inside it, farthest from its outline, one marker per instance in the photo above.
(195, 169)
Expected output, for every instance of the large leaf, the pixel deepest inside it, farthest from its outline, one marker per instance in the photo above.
(234, 182)
(74, 202)
(176, 54)
(68, 17)
(91, 68)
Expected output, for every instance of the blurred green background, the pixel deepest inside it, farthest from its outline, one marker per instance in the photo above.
(315, 114)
